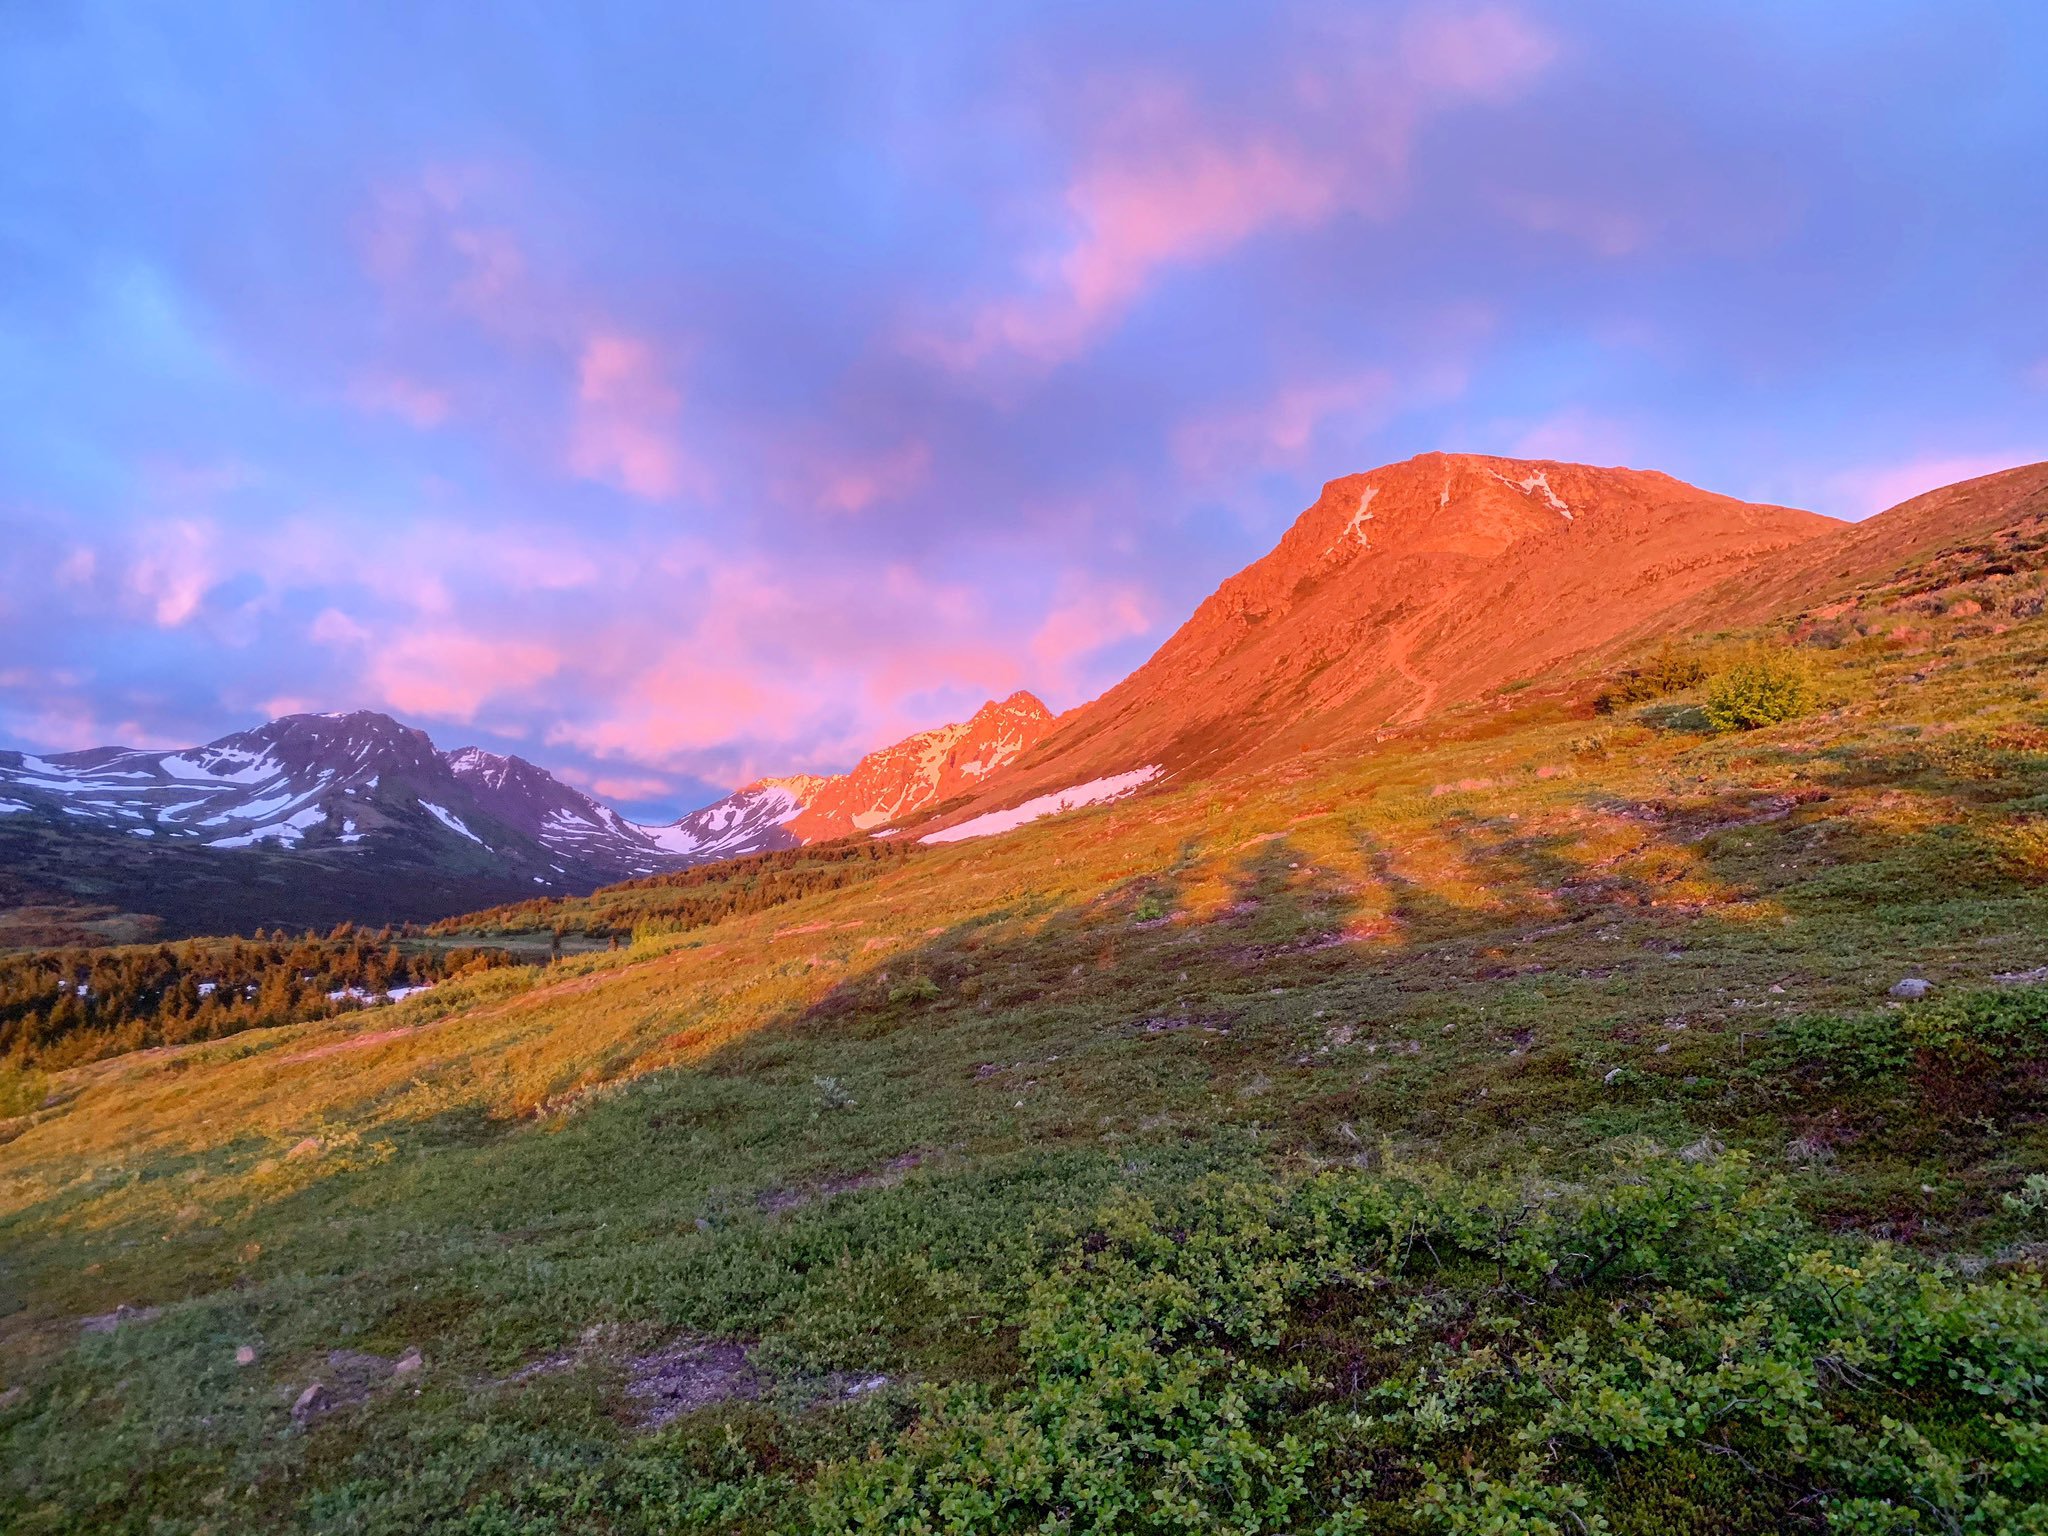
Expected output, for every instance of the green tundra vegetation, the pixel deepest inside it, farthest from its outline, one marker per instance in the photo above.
(1517, 1125)
(689, 898)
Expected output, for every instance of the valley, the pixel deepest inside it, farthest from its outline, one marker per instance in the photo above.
(1463, 1090)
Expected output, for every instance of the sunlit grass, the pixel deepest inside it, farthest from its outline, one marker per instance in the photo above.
(1495, 942)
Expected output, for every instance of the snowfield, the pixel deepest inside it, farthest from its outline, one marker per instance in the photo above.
(1094, 792)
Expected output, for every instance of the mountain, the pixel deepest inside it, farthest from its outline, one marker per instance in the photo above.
(1401, 591)
(887, 785)
(311, 820)
(305, 819)
(1988, 511)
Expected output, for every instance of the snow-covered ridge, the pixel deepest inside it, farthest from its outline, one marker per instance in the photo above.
(746, 821)
(358, 783)
(1094, 792)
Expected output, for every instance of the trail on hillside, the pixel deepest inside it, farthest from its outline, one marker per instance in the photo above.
(1426, 688)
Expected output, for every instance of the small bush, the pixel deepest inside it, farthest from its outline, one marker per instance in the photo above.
(915, 990)
(1671, 670)
(2023, 849)
(832, 1093)
(21, 1091)
(1764, 688)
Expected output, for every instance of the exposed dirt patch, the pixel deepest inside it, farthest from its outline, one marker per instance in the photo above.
(689, 1374)
(360, 1042)
(350, 1377)
(795, 1196)
(107, 1322)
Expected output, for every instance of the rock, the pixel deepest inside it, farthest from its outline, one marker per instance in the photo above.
(1612, 1074)
(1705, 1150)
(245, 1355)
(408, 1363)
(310, 1402)
(107, 1322)
(1809, 1152)
(1911, 986)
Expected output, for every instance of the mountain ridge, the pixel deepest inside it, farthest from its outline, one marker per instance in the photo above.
(1399, 590)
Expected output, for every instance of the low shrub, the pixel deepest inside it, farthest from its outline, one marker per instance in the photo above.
(1763, 688)
(1421, 1352)
(1671, 670)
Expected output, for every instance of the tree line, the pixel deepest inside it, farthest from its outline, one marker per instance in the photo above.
(59, 1007)
(693, 898)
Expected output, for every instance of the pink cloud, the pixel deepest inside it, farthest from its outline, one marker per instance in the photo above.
(1280, 430)
(1576, 435)
(1089, 616)
(78, 567)
(1610, 232)
(1179, 196)
(1487, 52)
(425, 236)
(447, 674)
(616, 787)
(781, 671)
(56, 719)
(625, 429)
(172, 569)
(394, 395)
(333, 627)
(857, 484)
(1162, 185)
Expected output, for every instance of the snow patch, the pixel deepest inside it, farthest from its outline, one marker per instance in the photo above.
(9, 807)
(1094, 792)
(452, 822)
(1540, 481)
(1356, 528)
(286, 833)
(254, 767)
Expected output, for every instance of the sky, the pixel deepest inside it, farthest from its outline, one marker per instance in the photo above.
(674, 394)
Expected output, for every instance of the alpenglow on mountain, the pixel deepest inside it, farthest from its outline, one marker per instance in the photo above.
(892, 784)
(314, 819)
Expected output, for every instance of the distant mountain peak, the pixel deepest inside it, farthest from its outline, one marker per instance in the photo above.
(887, 785)
(1403, 589)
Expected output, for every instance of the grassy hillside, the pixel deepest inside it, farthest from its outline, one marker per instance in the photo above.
(1508, 1127)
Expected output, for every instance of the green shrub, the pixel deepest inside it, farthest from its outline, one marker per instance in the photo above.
(1762, 689)
(1417, 1351)
(21, 1091)
(912, 991)
(1980, 1035)
(1671, 670)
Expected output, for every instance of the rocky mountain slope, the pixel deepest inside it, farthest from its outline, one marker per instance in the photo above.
(315, 819)
(304, 819)
(1405, 589)
(887, 785)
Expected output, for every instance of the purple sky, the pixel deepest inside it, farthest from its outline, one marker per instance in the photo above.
(674, 394)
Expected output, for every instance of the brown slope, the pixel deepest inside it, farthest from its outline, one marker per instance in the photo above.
(1406, 589)
(1858, 553)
